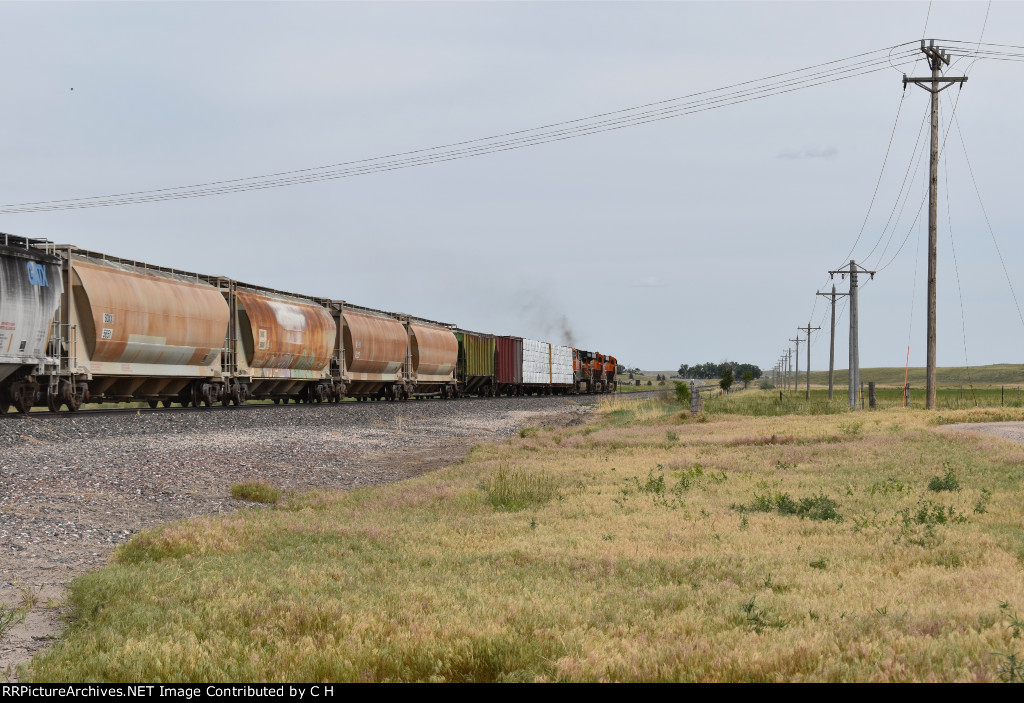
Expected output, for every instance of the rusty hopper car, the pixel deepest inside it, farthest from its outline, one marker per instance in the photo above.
(373, 350)
(279, 346)
(132, 331)
(30, 293)
(475, 372)
(433, 355)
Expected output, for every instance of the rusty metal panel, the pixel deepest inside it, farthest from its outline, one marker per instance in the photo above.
(435, 350)
(509, 360)
(283, 333)
(373, 344)
(131, 317)
(30, 289)
(477, 352)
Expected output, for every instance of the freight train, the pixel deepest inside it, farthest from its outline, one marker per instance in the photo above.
(78, 326)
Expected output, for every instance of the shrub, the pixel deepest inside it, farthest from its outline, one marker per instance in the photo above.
(819, 507)
(948, 482)
(256, 491)
(682, 392)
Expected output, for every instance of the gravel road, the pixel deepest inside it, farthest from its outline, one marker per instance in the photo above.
(76, 486)
(1007, 430)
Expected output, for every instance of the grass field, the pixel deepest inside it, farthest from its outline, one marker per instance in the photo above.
(993, 374)
(750, 543)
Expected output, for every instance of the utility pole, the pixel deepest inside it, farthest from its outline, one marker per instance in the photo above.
(934, 84)
(796, 374)
(808, 328)
(789, 365)
(832, 344)
(854, 342)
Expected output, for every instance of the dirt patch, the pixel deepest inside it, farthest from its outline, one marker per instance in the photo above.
(1013, 431)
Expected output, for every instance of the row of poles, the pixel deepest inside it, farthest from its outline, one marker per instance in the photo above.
(934, 84)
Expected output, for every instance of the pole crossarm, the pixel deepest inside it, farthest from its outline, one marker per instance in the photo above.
(844, 272)
(923, 81)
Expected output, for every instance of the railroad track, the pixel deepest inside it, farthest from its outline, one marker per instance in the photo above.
(39, 414)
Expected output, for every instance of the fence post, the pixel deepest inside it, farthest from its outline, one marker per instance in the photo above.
(872, 402)
(906, 396)
(695, 399)
(1002, 393)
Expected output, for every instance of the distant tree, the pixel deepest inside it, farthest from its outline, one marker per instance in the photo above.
(747, 377)
(630, 375)
(649, 383)
(726, 381)
(682, 392)
(711, 369)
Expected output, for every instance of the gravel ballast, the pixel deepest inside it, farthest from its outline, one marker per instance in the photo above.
(76, 486)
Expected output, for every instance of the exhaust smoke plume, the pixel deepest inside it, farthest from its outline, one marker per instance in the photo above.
(547, 321)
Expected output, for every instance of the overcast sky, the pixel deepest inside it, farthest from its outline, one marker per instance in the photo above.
(698, 238)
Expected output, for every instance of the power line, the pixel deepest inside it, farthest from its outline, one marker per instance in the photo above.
(819, 74)
(988, 222)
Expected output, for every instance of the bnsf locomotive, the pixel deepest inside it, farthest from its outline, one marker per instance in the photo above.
(78, 326)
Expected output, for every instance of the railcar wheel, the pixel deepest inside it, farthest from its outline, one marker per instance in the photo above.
(24, 400)
(167, 403)
(153, 404)
(52, 400)
(277, 401)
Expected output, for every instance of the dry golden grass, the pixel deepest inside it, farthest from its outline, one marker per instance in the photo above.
(647, 545)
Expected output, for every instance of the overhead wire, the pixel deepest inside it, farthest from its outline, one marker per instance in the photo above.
(650, 112)
(988, 222)
(885, 160)
(956, 270)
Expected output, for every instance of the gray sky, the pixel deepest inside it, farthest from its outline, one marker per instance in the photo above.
(691, 239)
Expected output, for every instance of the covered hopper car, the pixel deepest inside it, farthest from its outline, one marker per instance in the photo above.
(78, 326)
(30, 294)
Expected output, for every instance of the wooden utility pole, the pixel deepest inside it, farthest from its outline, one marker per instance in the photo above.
(832, 344)
(808, 328)
(789, 365)
(854, 370)
(934, 84)
(796, 374)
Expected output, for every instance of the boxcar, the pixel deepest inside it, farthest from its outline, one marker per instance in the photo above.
(475, 371)
(508, 365)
